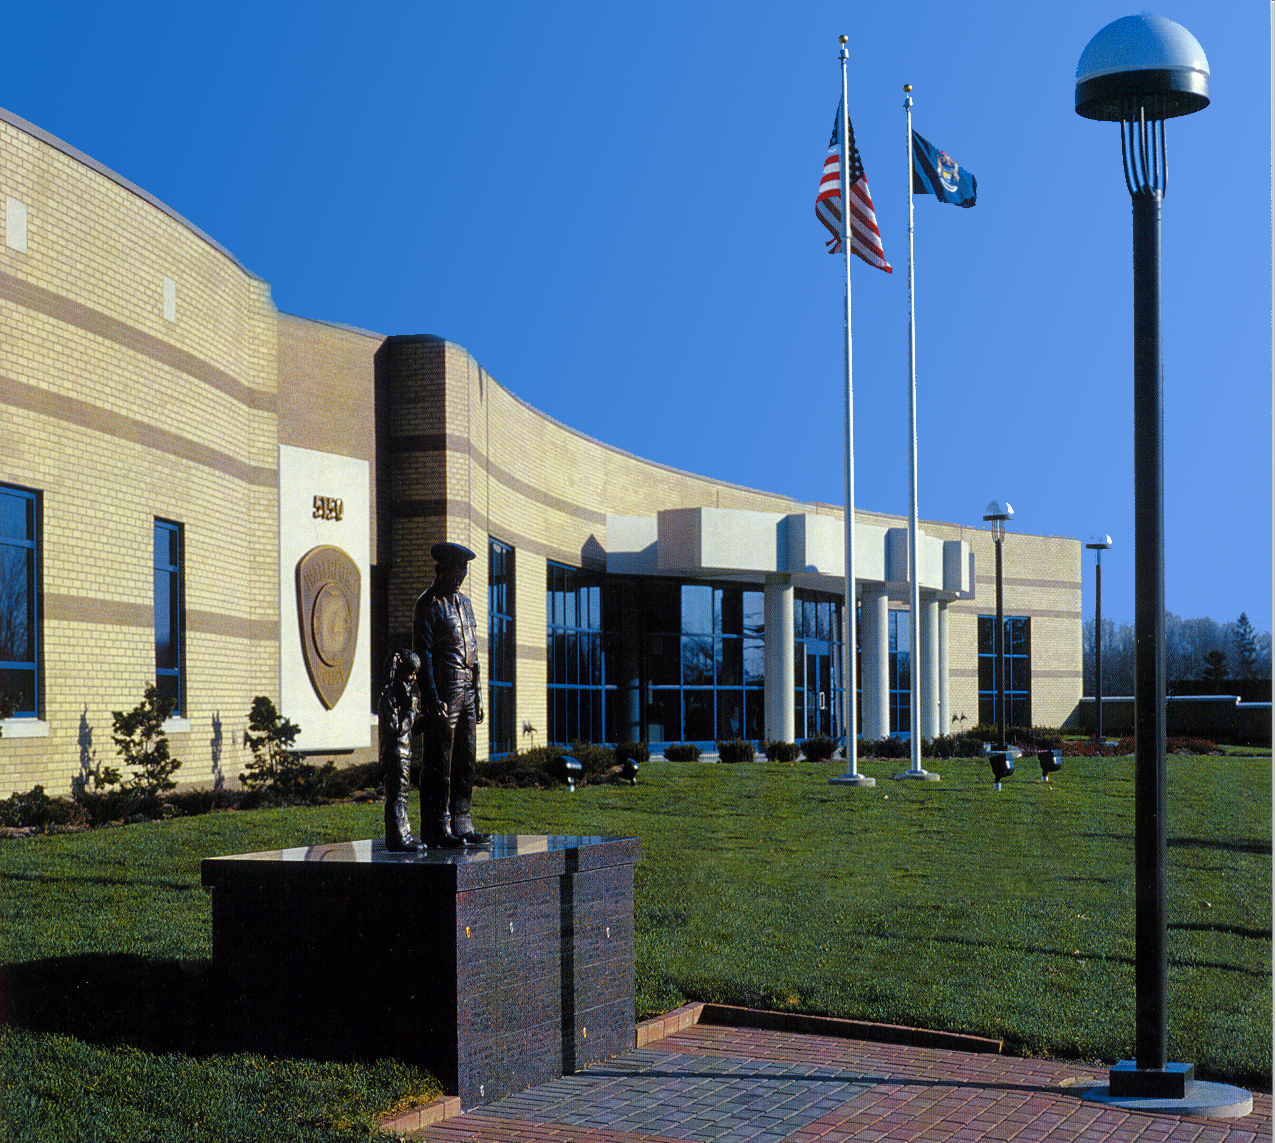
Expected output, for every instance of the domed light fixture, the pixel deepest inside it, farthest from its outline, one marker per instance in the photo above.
(1138, 72)
(997, 513)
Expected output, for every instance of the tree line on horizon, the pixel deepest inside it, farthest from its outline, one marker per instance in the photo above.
(1195, 649)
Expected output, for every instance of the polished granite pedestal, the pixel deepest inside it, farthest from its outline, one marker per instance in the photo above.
(495, 968)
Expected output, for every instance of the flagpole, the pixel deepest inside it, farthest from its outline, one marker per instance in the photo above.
(852, 777)
(914, 594)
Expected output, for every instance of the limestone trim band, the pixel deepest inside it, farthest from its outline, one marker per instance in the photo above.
(40, 300)
(83, 415)
(120, 613)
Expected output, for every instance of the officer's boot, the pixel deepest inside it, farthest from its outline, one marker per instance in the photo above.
(436, 822)
(462, 823)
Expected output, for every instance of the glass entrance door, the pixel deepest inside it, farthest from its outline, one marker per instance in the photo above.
(812, 674)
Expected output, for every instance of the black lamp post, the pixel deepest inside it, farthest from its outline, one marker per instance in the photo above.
(1138, 72)
(1099, 543)
(997, 514)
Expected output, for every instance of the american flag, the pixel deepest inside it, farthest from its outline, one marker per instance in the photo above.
(866, 239)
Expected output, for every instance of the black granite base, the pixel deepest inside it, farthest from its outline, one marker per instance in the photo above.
(495, 968)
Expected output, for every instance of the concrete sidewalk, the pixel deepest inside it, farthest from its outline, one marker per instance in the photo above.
(728, 1084)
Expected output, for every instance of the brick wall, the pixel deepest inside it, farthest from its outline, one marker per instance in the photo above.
(117, 415)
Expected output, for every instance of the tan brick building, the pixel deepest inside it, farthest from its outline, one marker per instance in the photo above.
(171, 446)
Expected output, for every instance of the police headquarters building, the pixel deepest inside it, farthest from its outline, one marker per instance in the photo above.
(200, 492)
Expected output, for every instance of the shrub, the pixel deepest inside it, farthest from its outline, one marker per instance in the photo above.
(523, 768)
(891, 747)
(351, 780)
(139, 737)
(101, 807)
(819, 749)
(782, 751)
(595, 759)
(682, 752)
(636, 750)
(36, 809)
(737, 750)
(275, 766)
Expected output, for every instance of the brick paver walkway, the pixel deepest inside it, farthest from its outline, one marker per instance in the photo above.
(743, 1085)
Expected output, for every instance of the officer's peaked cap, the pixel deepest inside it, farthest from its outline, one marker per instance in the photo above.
(449, 554)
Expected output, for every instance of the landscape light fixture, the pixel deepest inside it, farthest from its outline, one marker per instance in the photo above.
(568, 769)
(997, 514)
(1051, 760)
(1139, 71)
(1100, 543)
(1003, 766)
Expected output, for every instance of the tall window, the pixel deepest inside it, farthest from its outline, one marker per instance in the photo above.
(169, 650)
(19, 600)
(574, 653)
(500, 646)
(901, 676)
(817, 664)
(1017, 655)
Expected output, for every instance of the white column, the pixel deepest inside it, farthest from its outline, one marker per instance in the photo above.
(945, 715)
(778, 656)
(927, 661)
(875, 709)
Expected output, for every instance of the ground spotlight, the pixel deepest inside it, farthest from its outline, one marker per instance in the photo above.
(1051, 760)
(1002, 767)
(568, 769)
(630, 772)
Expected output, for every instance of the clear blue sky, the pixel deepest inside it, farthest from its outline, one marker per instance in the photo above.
(612, 207)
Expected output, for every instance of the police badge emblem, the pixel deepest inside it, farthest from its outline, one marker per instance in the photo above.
(328, 584)
(946, 168)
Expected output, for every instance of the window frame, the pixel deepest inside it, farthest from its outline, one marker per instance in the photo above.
(176, 573)
(34, 662)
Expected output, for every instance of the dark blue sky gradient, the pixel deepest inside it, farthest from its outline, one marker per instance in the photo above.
(612, 207)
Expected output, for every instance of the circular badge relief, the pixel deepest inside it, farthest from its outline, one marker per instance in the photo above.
(332, 624)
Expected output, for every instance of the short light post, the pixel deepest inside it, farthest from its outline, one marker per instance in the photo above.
(1139, 71)
(1100, 543)
(997, 514)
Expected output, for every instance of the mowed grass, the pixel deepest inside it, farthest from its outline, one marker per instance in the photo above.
(943, 905)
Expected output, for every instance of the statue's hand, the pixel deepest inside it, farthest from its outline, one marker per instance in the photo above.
(478, 713)
(441, 709)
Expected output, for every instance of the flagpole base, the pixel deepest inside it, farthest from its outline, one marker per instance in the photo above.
(861, 780)
(917, 775)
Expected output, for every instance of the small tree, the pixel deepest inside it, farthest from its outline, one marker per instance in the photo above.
(139, 736)
(6, 710)
(1246, 646)
(1215, 669)
(275, 765)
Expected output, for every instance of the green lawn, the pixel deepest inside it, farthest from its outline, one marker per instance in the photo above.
(945, 905)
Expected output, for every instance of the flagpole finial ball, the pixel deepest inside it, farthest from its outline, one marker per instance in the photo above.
(908, 87)
(842, 39)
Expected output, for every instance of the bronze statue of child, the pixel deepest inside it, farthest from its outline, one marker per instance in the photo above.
(399, 714)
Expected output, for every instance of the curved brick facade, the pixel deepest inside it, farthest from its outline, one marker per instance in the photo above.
(146, 375)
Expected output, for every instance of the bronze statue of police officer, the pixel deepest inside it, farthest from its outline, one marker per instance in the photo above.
(445, 640)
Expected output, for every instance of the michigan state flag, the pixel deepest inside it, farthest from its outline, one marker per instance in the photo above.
(935, 172)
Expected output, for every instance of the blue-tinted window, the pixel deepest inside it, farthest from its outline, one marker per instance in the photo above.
(1017, 672)
(500, 646)
(817, 665)
(19, 600)
(652, 660)
(169, 649)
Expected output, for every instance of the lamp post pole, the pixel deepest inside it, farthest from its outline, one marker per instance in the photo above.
(1139, 71)
(1099, 543)
(997, 514)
